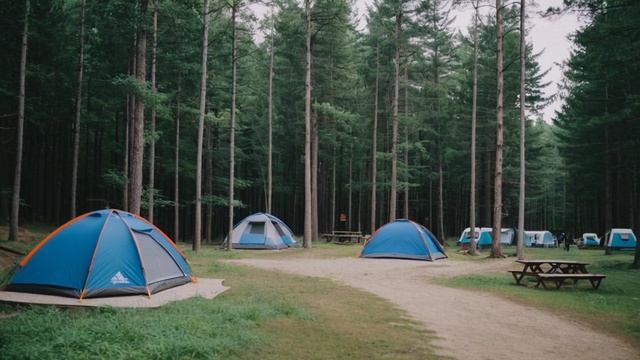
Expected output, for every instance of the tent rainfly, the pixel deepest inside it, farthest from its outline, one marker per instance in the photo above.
(539, 239)
(403, 239)
(483, 237)
(590, 240)
(261, 231)
(102, 253)
(621, 239)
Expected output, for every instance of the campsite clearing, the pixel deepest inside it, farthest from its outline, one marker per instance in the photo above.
(464, 321)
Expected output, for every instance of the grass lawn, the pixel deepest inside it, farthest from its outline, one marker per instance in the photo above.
(265, 315)
(614, 307)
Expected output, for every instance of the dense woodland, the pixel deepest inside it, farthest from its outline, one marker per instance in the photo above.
(122, 82)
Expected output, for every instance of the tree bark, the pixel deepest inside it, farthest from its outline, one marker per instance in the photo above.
(197, 239)
(176, 174)
(406, 140)
(394, 122)
(374, 149)
(270, 121)
(474, 104)
(15, 200)
(152, 130)
(497, 195)
(209, 177)
(232, 135)
(520, 240)
(76, 124)
(441, 233)
(137, 143)
(314, 177)
(307, 126)
(350, 193)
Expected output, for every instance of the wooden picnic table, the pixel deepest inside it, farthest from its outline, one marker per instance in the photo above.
(342, 237)
(554, 266)
(557, 271)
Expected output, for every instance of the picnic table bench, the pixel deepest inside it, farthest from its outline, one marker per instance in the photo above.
(344, 237)
(559, 279)
(557, 271)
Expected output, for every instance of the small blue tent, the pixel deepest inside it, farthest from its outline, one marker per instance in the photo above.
(483, 237)
(102, 253)
(403, 239)
(621, 239)
(590, 240)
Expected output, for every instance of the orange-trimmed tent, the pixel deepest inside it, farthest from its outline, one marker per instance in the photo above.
(102, 253)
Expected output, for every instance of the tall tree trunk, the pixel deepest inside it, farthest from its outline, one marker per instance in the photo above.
(441, 233)
(209, 177)
(15, 199)
(76, 124)
(487, 189)
(474, 105)
(176, 173)
(125, 160)
(497, 195)
(232, 135)
(374, 143)
(394, 122)
(314, 177)
(307, 127)
(152, 130)
(137, 143)
(197, 236)
(131, 102)
(333, 190)
(270, 122)
(350, 194)
(406, 140)
(520, 240)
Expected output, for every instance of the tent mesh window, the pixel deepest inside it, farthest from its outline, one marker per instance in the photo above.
(624, 236)
(278, 228)
(157, 262)
(256, 228)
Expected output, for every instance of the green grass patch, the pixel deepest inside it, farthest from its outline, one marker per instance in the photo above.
(265, 315)
(319, 250)
(615, 306)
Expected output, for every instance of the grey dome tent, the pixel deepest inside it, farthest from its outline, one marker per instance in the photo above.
(262, 231)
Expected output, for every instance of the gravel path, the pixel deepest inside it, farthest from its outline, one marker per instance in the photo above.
(469, 325)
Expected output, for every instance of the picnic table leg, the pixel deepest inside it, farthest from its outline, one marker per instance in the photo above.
(559, 283)
(518, 278)
(541, 282)
(595, 283)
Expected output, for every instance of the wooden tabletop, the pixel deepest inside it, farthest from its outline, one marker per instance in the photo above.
(533, 262)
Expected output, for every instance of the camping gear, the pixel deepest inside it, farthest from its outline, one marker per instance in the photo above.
(539, 239)
(590, 240)
(102, 253)
(261, 231)
(621, 239)
(482, 237)
(403, 239)
(507, 236)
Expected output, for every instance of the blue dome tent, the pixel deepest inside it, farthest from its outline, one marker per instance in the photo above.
(403, 239)
(102, 253)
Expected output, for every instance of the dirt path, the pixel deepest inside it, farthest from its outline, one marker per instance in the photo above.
(469, 325)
